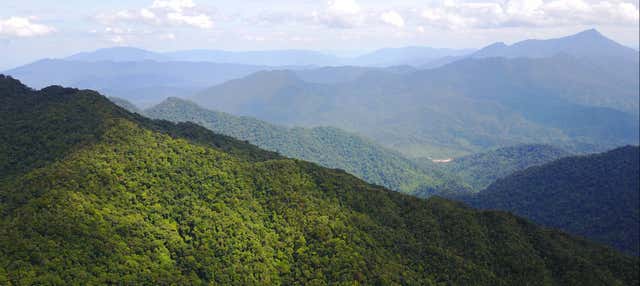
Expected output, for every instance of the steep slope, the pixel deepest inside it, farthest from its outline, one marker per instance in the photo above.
(327, 146)
(596, 196)
(134, 206)
(480, 170)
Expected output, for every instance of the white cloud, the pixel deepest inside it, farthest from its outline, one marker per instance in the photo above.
(200, 21)
(456, 15)
(23, 27)
(392, 18)
(162, 12)
(341, 14)
(147, 14)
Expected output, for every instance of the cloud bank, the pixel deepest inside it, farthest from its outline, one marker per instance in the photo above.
(455, 15)
(23, 27)
(162, 13)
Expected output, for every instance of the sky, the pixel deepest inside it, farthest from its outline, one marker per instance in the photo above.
(35, 29)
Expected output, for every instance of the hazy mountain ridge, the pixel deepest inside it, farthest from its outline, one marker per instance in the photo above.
(141, 82)
(415, 56)
(464, 107)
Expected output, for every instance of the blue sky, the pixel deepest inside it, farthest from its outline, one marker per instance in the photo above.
(34, 29)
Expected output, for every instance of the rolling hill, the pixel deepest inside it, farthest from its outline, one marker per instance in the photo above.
(327, 146)
(595, 196)
(121, 199)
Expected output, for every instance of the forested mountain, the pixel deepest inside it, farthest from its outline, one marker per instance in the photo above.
(327, 146)
(482, 169)
(142, 82)
(92, 194)
(469, 106)
(595, 196)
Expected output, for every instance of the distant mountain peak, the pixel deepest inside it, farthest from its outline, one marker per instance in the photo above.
(590, 32)
(586, 44)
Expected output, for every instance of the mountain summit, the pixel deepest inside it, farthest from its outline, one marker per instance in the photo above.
(586, 44)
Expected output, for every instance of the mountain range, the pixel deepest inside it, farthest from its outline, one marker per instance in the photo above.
(567, 92)
(93, 194)
(465, 107)
(327, 146)
(335, 148)
(276, 58)
(144, 82)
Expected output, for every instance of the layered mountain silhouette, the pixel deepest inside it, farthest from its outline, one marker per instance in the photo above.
(143, 82)
(464, 107)
(578, 92)
(93, 194)
(415, 56)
